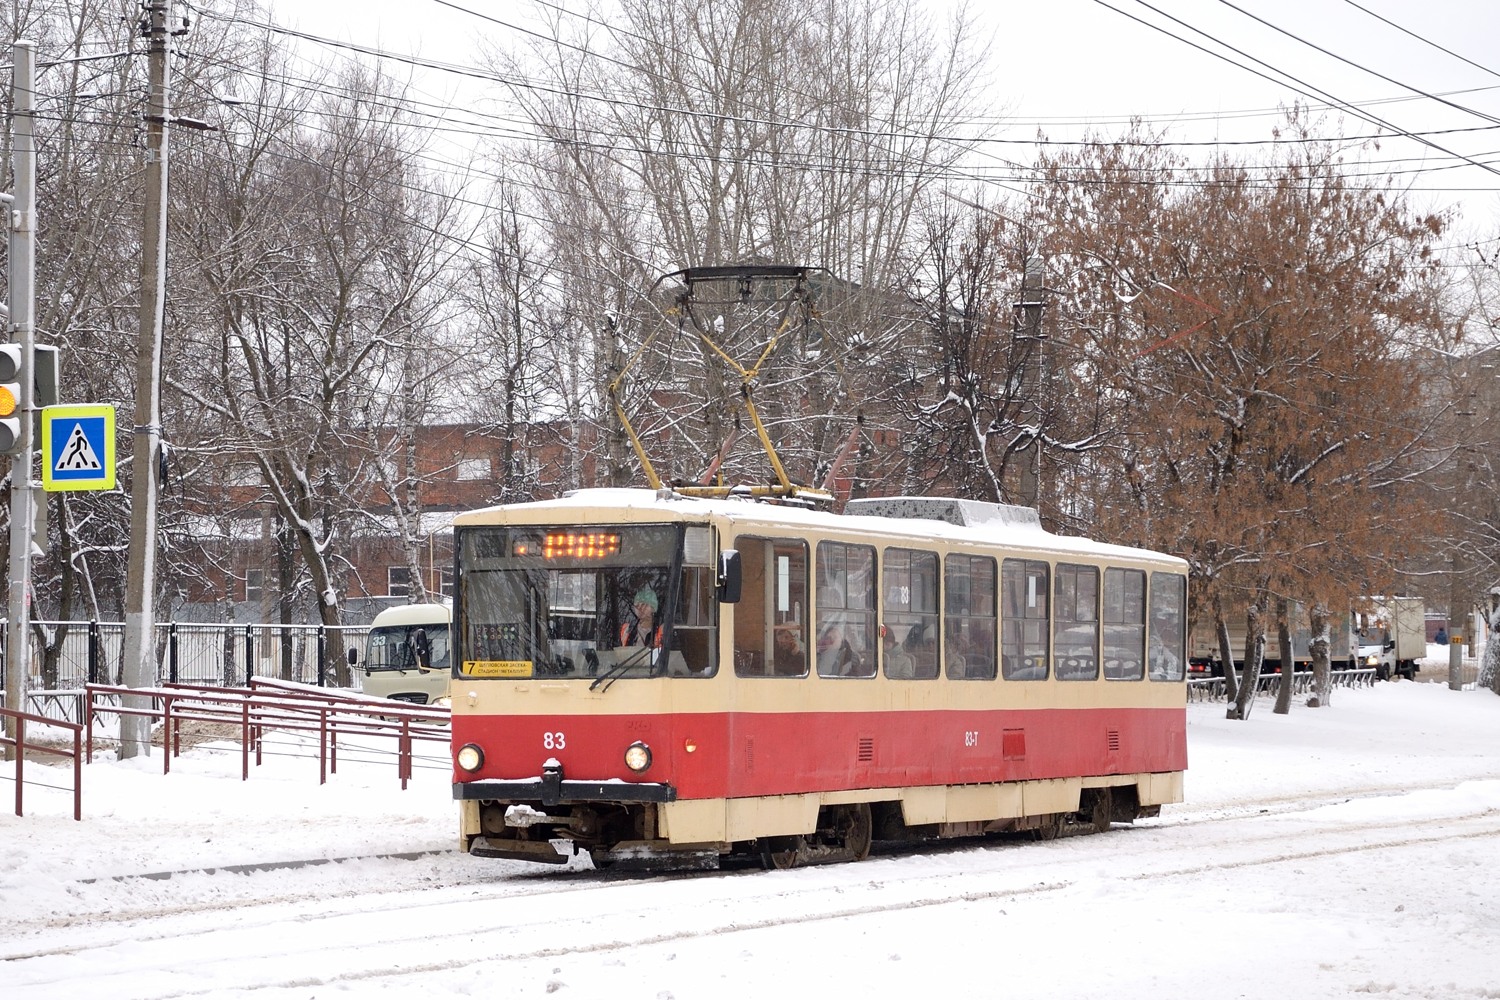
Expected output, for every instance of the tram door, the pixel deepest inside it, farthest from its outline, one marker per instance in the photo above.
(770, 621)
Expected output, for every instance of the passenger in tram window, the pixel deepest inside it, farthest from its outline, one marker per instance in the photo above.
(1162, 661)
(831, 647)
(898, 662)
(979, 655)
(641, 629)
(831, 644)
(837, 657)
(957, 665)
(955, 651)
(921, 650)
(790, 654)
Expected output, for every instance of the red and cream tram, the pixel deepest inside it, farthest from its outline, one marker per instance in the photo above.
(647, 676)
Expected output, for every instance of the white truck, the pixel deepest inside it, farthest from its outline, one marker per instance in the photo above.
(407, 654)
(1204, 658)
(1392, 636)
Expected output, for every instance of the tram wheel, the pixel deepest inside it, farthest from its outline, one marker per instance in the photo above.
(1102, 812)
(781, 853)
(856, 829)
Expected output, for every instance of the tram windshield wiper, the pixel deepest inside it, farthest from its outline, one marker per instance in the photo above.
(615, 672)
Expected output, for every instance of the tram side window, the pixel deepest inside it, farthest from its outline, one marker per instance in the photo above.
(909, 626)
(1025, 584)
(1124, 624)
(1075, 622)
(770, 622)
(846, 610)
(969, 617)
(1167, 647)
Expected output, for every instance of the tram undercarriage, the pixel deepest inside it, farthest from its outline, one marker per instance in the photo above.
(633, 834)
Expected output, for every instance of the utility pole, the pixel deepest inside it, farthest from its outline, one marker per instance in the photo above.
(1026, 335)
(139, 663)
(1458, 626)
(22, 278)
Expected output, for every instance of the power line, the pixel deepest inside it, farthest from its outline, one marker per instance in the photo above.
(1422, 39)
(1302, 86)
(1359, 66)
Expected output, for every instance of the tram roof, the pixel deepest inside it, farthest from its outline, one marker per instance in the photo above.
(642, 505)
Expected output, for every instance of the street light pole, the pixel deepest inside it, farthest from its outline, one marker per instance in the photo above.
(139, 662)
(22, 278)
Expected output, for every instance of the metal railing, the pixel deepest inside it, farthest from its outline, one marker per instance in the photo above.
(264, 706)
(21, 747)
(72, 654)
(1269, 685)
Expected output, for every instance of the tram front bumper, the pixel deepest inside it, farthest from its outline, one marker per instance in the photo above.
(553, 789)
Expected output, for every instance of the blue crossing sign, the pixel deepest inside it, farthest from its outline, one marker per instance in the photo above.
(78, 447)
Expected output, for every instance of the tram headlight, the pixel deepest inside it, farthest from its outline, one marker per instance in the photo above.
(470, 757)
(638, 757)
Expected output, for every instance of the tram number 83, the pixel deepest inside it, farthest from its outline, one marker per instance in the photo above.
(554, 741)
(971, 737)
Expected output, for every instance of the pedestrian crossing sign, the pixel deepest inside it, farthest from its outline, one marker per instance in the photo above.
(78, 447)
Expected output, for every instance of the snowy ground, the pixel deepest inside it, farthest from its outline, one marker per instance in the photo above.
(1336, 852)
(1435, 665)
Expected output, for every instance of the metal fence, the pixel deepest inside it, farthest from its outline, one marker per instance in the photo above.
(68, 655)
(1212, 688)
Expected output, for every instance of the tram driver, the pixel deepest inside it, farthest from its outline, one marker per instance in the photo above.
(641, 627)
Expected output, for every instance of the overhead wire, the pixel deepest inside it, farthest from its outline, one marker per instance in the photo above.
(1460, 159)
(1360, 66)
(977, 173)
(1424, 40)
(521, 123)
(972, 174)
(1298, 85)
(488, 249)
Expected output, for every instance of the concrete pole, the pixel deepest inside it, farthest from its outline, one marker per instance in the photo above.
(1028, 332)
(22, 277)
(1456, 630)
(139, 664)
(1457, 617)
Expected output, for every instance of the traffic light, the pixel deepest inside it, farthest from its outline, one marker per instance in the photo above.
(10, 398)
(47, 382)
(44, 381)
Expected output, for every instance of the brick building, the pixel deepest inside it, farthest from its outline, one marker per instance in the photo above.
(239, 553)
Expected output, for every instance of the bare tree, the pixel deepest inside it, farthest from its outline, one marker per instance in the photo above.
(787, 132)
(316, 259)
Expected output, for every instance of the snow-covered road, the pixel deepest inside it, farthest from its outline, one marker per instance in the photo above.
(1303, 866)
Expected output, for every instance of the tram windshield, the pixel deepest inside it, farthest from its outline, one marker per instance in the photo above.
(587, 601)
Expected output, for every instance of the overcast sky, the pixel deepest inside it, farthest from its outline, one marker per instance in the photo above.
(1064, 66)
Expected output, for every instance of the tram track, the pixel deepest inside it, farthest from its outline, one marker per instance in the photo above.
(518, 926)
(491, 878)
(240, 916)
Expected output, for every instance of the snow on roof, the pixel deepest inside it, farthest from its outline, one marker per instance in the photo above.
(988, 523)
